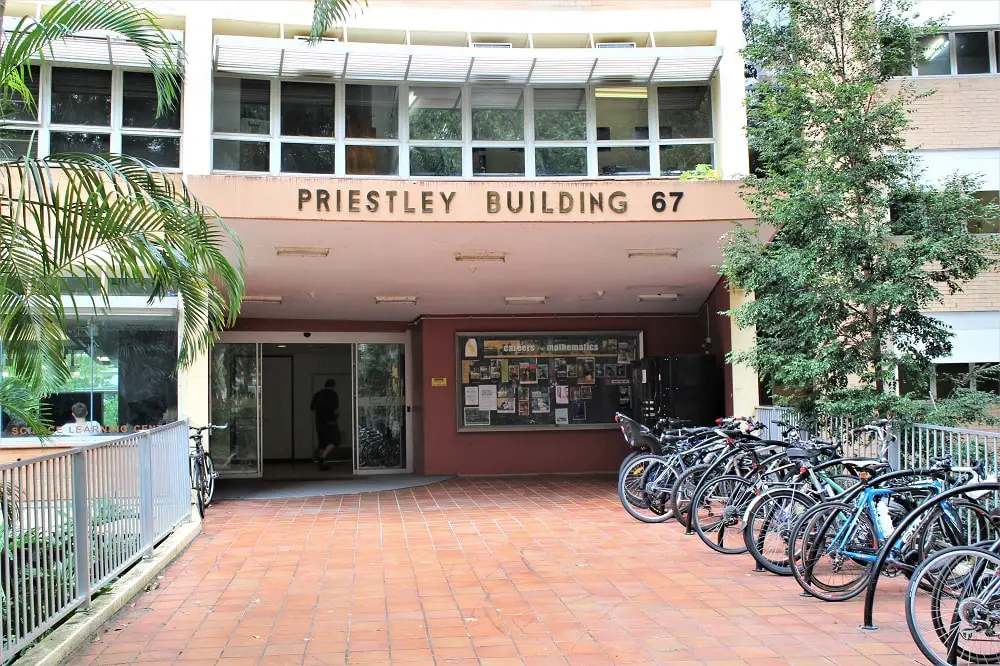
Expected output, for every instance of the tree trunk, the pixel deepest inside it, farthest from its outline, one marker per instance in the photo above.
(877, 351)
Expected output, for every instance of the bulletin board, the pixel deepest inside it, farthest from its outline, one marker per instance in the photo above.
(540, 381)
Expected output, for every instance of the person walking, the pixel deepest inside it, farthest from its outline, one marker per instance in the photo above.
(326, 408)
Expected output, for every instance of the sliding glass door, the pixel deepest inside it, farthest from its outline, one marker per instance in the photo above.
(380, 404)
(236, 401)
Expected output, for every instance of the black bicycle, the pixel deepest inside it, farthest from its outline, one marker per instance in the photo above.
(203, 472)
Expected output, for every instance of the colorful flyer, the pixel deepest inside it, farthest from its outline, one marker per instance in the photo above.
(476, 417)
(579, 410)
(562, 395)
(528, 372)
(539, 402)
(543, 372)
(585, 366)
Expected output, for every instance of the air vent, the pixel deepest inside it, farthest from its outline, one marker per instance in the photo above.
(305, 38)
(616, 45)
(492, 45)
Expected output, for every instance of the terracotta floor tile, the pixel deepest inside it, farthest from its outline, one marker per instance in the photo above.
(533, 571)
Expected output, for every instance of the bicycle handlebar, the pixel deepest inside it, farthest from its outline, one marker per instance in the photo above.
(200, 429)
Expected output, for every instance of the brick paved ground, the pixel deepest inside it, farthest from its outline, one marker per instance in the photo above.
(478, 571)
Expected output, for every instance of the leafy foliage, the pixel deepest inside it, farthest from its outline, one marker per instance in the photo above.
(841, 289)
(327, 13)
(71, 219)
(702, 172)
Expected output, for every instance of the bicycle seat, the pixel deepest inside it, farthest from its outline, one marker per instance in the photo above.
(798, 453)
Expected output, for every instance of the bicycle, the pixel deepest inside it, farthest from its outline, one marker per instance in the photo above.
(203, 472)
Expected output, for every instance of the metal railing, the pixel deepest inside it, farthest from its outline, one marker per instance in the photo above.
(74, 520)
(914, 447)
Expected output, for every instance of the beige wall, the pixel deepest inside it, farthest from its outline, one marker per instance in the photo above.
(962, 112)
(979, 295)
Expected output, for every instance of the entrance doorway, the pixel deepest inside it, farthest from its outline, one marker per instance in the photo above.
(265, 391)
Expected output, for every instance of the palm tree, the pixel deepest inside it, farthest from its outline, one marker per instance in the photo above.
(69, 219)
(327, 13)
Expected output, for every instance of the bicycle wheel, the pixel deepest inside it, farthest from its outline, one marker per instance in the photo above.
(958, 621)
(208, 473)
(717, 513)
(629, 458)
(965, 523)
(198, 484)
(684, 487)
(643, 497)
(769, 525)
(820, 547)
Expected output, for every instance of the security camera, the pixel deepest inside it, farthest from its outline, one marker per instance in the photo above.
(307, 335)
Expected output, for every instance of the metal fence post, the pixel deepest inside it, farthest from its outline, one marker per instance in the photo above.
(81, 526)
(895, 448)
(146, 494)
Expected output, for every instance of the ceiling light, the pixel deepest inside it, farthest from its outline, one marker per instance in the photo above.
(627, 92)
(282, 346)
(405, 300)
(653, 252)
(524, 300)
(291, 251)
(649, 298)
(263, 299)
(481, 256)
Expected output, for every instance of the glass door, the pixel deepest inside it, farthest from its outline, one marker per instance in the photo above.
(236, 400)
(380, 407)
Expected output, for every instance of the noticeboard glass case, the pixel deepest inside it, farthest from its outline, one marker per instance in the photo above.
(540, 381)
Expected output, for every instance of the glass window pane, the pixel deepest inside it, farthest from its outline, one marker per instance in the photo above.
(949, 376)
(130, 287)
(14, 144)
(436, 113)
(935, 58)
(972, 52)
(685, 112)
(139, 104)
(498, 161)
(81, 96)
(372, 112)
(307, 157)
(79, 142)
(676, 159)
(373, 160)
(561, 114)
(241, 155)
(561, 161)
(435, 161)
(163, 151)
(622, 114)
(307, 109)
(988, 377)
(498, 114)
(623, 161)
(242, 106)
(988, 226)
(20, 109)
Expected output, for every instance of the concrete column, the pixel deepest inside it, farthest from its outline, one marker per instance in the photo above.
(196, 114)
(729, 92)
(746, 386)
(193, 392)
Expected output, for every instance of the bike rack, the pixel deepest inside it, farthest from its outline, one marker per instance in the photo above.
(899, 531)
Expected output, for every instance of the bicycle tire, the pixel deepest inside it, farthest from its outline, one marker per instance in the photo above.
(775, 519)
(197, 483)
(940, 566)
(632, 491)
(208, 472)
(629, 458)
(815, 527)
(680, 495)
(717, 510)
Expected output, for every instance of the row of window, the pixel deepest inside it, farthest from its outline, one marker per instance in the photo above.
(459, 131)
(94, 111)
(960, 53)
(946, 377)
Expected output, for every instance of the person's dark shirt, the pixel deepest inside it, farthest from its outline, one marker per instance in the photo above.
(325, 403)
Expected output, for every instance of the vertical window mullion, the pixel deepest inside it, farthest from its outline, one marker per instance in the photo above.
(44, 102)
(993, 44)
(467, 131)
(340, 129)
(117, 104)
(403, 99)
(275, 141)
(953, 52)
(529, 132)
(591, 133)
(653, 114)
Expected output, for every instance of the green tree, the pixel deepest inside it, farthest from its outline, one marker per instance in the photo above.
(860, 246)
(328, 13)
(72, 219)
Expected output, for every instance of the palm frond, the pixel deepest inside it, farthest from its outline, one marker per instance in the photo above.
(76, 216)
(69, 17)
(328, 13)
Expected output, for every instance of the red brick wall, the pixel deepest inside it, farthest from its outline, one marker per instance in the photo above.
(447, 451)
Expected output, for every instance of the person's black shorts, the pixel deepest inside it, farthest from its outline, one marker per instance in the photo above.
(328, 434)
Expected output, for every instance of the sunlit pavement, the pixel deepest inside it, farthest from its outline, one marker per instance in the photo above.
(479, 571)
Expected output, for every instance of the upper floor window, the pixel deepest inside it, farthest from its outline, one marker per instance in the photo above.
(460, 131)
(987, 226)
(973, 52)
(94, 111)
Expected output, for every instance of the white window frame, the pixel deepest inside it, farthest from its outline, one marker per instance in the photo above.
(992, 36)
(44, 127)
(705, 141)
(403, 143)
